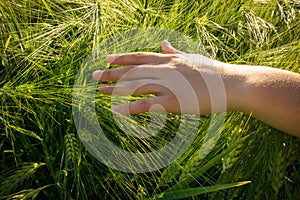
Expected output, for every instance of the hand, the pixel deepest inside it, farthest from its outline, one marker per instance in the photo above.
(179, 82)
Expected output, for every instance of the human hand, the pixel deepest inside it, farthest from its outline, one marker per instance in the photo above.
(181, 83)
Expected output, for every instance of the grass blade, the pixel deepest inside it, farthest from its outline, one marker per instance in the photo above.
(179, 194)
(26, 132)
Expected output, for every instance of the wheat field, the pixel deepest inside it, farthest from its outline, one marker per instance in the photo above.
(43, 44)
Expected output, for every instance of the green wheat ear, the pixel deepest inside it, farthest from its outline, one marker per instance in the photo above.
(284, 150)
(73, 152)
(277, 170)
(170, 174)
(232, 158)
(12, 179)
(28, 194)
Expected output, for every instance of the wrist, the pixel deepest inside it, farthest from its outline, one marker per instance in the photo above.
(235, 82)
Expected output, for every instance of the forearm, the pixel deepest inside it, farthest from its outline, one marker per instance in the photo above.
(269, 94)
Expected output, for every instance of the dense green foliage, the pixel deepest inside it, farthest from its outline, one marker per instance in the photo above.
(44, 42)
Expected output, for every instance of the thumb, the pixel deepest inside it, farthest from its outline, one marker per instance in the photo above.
(168, 49)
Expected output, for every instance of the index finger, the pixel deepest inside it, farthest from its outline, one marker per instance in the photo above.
(139, 58)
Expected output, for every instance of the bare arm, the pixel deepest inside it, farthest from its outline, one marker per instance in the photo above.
(269, 94)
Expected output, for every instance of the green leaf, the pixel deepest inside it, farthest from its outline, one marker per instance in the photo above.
(184, 193)
(26, 132)
(7, 43)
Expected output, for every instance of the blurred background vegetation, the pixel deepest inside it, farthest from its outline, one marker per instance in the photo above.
(43, 44)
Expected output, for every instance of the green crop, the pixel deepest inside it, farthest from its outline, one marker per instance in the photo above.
(43, 43)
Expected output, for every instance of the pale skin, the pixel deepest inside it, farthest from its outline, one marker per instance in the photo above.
(268, 94)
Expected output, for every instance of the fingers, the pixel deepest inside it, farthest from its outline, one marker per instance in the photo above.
(111, 74)
(138, 58)
(140, 87)
(168, 49)
(132, 73)
(150, 104)
(144, 69)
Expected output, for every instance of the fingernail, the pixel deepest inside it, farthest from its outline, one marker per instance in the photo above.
(103, 88)
(115, 109)
(111, 58)
(166, 41)
(97, 74)
(119, 109)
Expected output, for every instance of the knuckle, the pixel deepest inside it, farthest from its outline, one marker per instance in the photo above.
(139, 55)
(106, 74)
(172, 99)
(144, 104)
